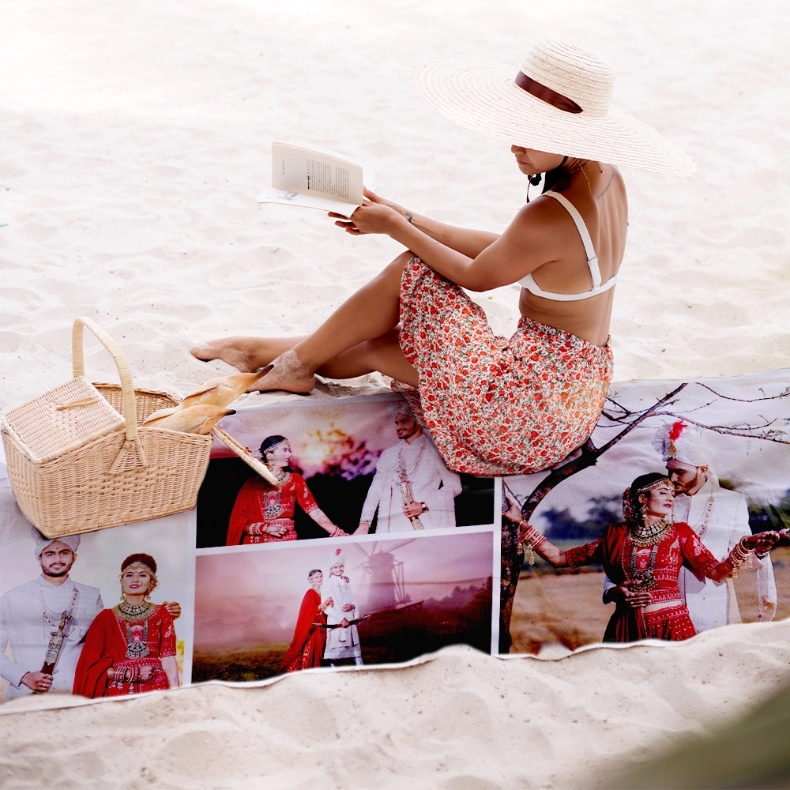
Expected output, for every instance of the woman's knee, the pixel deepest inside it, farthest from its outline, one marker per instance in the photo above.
(396, 267)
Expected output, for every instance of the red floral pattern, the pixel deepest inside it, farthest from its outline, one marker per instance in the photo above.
(495, 406)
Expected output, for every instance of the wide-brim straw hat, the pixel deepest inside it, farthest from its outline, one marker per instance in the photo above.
(559, 102)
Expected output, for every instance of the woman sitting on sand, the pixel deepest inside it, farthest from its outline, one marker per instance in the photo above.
(263, 514)
(130, 648)
(643, 558)
(494, 405)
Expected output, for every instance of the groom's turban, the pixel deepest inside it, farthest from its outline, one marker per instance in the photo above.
(683, 442)
(72, 541)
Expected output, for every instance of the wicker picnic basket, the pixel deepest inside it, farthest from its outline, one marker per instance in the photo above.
(79, 459)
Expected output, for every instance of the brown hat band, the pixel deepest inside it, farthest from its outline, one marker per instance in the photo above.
(546, 94)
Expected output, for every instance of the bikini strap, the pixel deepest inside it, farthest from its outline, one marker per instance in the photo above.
(592, 258)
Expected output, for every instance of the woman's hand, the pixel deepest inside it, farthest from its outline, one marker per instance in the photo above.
(369, 218)
(513, 512)
(623, 595)
(144, 672)
(375, 215)
(374, 198)
(763, 542)
(275, 530)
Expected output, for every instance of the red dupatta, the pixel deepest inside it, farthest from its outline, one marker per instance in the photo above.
(307, 635)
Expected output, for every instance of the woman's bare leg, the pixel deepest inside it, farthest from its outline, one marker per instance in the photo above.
(382, 354)
(248, 354)
(356, 339)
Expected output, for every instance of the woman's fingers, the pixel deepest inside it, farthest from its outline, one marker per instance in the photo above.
(347, 226)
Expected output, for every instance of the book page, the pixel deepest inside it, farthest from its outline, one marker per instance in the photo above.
(315, 174)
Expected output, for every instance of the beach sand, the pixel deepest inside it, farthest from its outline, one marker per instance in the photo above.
(135, 141)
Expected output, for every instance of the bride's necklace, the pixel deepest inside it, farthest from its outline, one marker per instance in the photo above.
(128, 611)
(643, 535)
(280, 474)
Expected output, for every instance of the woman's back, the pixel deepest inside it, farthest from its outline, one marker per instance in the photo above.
(598, 194)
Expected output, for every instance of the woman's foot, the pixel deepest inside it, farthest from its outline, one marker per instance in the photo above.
(286, 373)
(246, 354)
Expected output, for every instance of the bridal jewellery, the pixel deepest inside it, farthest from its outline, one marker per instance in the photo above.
(643, 535)
(644, 580)
(739, 555)
(531, 540)
(131, 613)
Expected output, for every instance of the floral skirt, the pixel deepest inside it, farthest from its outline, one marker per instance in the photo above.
(495, 405)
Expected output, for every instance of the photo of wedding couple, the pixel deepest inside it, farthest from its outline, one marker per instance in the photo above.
(263, 613)
(355, 466)
(675, 529)
(60, 628)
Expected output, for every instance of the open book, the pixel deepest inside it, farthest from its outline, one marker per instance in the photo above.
(313, 179)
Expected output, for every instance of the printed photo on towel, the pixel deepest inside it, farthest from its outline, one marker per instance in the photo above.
(101, 614)
(724, 447)
(346, 466)
(261, 613)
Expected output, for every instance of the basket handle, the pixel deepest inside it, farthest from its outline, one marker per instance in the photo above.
(127, 387)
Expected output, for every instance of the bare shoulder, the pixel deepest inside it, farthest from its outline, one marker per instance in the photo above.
(537, 222)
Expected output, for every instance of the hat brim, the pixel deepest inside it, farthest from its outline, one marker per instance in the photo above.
(483, 97)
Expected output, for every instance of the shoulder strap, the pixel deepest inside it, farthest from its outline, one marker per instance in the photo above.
(592, 258)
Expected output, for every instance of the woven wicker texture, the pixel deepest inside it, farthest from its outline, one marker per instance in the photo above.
(484, 97)
(62, 419)
(128, 473)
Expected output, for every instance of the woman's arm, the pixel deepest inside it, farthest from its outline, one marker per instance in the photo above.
(468, 242)
(539, 543)
(527, 243)
(307, 502)
(324, 521)
(171, 670)
(761, 543)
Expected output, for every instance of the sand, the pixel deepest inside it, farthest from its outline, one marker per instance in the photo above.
(136, 138)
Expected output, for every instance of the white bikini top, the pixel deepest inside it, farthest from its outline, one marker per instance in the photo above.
(529, 283)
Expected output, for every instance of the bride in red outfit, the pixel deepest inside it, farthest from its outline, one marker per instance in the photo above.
(130, 648)
(309, 639)
(263, 514)
(643, 558)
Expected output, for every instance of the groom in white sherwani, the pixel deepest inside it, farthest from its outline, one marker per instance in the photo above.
(45, 621)
(412, 489)
(342, 640)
